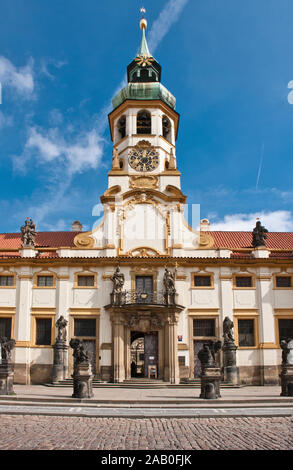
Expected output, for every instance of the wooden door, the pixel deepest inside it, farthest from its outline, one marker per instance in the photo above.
(150, 351)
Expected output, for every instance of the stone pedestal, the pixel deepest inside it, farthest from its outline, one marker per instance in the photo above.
(287, 380)
(60, 366)
(230, 370)
(82, 381)
(210, 383)
(6, 378)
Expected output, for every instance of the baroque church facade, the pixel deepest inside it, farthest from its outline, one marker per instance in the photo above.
(143, 289)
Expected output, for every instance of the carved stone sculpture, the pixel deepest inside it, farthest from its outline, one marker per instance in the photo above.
(61, 324)
(228, 326)
(259, 235)
(230, 370)
(118, 280)
(60, 365)
(210, 372)
(287, 368)
(207, 355)
(169, 287)
(6, 346)
(28, 233)
(80, 354)
(82, 373)
(287, 351)
(6, 366)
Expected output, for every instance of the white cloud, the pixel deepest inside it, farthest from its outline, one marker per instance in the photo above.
(5, 121)
(275, 221)
(82, 153)
(20, 79)
(163, 23)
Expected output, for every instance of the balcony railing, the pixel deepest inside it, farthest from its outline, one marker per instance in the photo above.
(135, 297)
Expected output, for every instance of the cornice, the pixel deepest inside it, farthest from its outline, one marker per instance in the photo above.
(129, 260)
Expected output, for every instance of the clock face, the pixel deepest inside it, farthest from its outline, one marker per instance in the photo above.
(143, 159)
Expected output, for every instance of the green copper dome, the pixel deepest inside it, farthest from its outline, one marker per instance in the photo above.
(144, 91)
(144, 78)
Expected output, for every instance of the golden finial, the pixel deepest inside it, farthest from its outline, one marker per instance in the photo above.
(143, 22)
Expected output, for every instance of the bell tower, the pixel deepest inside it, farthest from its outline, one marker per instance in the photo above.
(144, 126)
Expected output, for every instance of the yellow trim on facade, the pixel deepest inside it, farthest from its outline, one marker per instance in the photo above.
(202, 273)
(275, 275)
(243, 274)
(247, 316)
(88, 273)
(44, 273)
(42, 314)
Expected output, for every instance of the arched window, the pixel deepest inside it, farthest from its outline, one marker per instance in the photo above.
(144, 122)
(122, 127)
(166, 124)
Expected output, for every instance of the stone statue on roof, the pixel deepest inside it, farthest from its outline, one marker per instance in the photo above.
(28, 233)
(259, 235)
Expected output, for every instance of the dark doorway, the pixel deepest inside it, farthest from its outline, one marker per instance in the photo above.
(144, 354)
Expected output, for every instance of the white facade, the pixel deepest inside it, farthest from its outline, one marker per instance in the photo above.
(144, 230)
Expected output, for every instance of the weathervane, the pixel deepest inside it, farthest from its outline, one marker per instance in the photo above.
(142, 11)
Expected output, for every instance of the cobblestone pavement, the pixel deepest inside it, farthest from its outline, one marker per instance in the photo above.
(23, 432)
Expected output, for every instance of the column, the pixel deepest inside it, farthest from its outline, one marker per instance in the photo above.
(171, 370)
(118, 348)
(268, 365)
(62, 308)
(23, 326)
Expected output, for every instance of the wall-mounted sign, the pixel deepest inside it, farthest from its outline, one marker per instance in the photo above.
(180, 338)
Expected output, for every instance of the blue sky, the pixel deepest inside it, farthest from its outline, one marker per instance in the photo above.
(229, 64)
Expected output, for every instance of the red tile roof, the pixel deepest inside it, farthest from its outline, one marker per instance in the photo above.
(236, 240)
(43, 239)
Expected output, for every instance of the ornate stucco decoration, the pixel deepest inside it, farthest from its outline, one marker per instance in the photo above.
(84, 241)
(151, 182)
(206, 241)
(145, 322)
(144, 251)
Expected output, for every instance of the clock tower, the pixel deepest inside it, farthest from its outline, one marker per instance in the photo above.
(143, 205)
(144, 126)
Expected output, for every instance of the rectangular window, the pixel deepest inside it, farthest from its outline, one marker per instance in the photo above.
(6, 281)
(202, 281)
(86, 281)
(5, 327)
(43, 331)
(45, 281)
(243, 281)
(283, 281)
(246, 333)
(84, 327)
(204, 327)
(285, 328)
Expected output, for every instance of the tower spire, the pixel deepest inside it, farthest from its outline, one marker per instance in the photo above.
(143, 50)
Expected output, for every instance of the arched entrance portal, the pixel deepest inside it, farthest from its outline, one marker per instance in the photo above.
(144, 354)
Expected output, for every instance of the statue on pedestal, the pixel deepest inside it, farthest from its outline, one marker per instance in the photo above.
(6, 346)
(61, 324)
(287, 367)
(228, 326)
(118, 280)
(207, 355)
(259, 235)
(6, 366)
(82, 372)
(28, 233)
(169, 286)
(287, 351)
(80, 354)
(210, 373)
